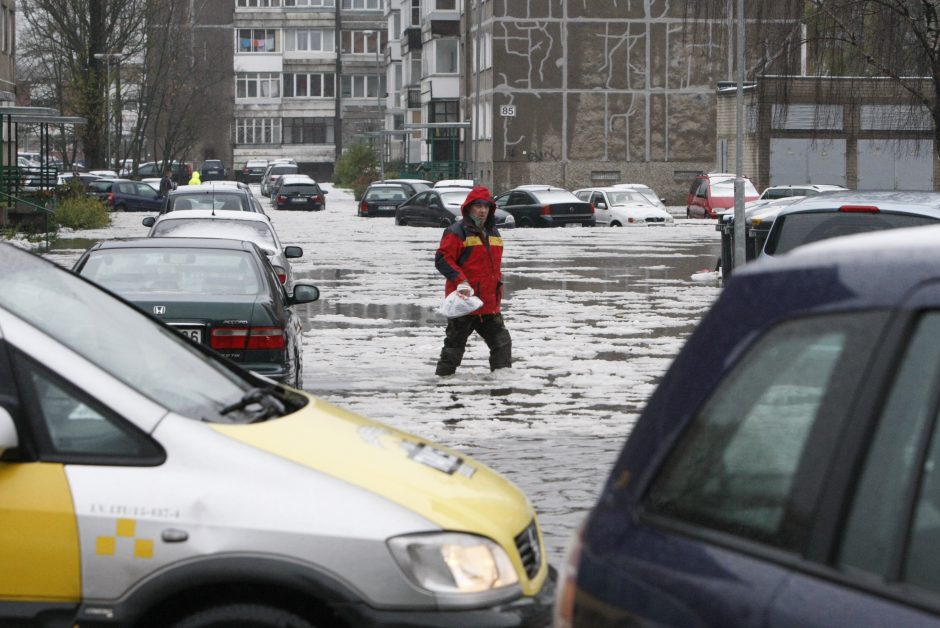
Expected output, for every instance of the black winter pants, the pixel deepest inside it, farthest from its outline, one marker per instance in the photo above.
(490, 327)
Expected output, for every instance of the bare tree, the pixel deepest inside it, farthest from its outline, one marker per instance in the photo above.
(856, 40)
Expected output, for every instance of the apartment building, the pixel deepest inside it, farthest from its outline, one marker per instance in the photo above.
(309, 79)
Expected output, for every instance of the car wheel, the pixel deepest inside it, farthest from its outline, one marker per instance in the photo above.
(120, 207)
(244, 615)
(298, 373)
(688, 212)
(615, 224)
(446, 223)
(525, 221)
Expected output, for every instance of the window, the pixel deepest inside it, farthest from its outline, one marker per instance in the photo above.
(312, 85)
(257, 40)
(257, 85)
(445, 5)
(309, 3)
(308, 131)
(308, 40)
(77, 426)
(260, 4)
(445, 56)
(874, 528)
(360, 86)
(371, 5)
(362, 42)
(258, 131)
(752, 461)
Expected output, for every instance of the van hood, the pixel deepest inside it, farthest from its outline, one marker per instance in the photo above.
(442, 485)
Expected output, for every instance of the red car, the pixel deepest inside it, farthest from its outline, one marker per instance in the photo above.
(714, 191)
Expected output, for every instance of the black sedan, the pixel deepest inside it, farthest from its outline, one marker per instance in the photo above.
(546, 206)
(440, 207)
(217, 292)
(381, 199)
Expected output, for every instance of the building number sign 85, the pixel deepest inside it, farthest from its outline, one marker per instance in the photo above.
(508, 111)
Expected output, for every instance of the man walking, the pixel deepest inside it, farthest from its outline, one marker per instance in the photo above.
(166, 183)
(469, 257)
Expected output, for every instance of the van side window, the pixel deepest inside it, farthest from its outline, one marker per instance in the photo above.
(702, 189)
(752, 460)
(878, 518)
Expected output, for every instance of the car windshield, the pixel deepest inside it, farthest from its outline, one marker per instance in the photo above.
(624, 198)
(725, 187)
(385, 194)
(117, 337)
(648, 194)
(295, 188)
(797, 229)
(454, 198)
(99, 186)
(252, 230)
(215, 200)
(162, 270)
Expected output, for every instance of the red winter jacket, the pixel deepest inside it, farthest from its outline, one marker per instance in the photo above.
(473, 255)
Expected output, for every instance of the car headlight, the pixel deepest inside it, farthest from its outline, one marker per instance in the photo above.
(451, 562)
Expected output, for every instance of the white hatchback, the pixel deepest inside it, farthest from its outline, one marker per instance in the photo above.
(620, 207)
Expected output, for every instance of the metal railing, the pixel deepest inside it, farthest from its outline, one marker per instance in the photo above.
(16, 202)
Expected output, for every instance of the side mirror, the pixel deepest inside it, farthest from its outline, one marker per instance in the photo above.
(148, 221)
(324, 191)
(290, 252)
(662, 200)
(304, 293)
(8, 435)
(601, 205)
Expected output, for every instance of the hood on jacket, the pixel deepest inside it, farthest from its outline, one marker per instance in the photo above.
(480, 193)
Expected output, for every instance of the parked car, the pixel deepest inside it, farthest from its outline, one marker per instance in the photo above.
(440, 207)
(221, 498)
(281, 179)
(545, 206)
(253, 170)
(381, 199)
(618, 207)
(125, 195)
(715, 191)
(64, 178)
(809, 189)
(411, 186)
(104, 174)
(306, 195)
(646, 191)
(218, 292)
(152, 182)
(180, 172)
(273, 171)
(209, 196)
(843, 213)
(783, 473)
(212, 170)
(234, 225)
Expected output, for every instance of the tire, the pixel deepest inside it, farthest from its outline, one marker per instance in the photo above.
(445, 223)
(525, 221)
(121, 207)
(299, 373)
(615, 224)
(688, 212)
(243, 616)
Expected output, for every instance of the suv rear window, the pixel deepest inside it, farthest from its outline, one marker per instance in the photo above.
(287, 169)
(385, 194)
(794, 230)
(100, 186)
(299, 188)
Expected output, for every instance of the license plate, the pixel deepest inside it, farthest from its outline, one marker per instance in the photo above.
(386, 207)
(572, 224)
(298, 200)
(193, 333)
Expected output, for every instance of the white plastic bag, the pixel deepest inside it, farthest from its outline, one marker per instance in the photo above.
(455, 305)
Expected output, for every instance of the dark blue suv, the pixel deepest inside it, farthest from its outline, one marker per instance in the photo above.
(786, 471)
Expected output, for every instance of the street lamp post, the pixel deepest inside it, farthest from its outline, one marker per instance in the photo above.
(107, 56)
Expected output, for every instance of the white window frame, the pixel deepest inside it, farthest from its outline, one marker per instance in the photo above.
(254, 31)
(258, 131)
(360, 86)
(324, 78)
(293, 35)
(259, 80)
(438, 48)
(362, 5)
(310, 3)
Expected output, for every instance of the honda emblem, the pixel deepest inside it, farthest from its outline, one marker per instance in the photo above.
(159, 309)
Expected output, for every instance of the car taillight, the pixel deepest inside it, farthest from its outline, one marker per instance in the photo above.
(228, 338)
(592, 208)
(247, 338)
(363, 208)
(110, 200)
(281, 274)
(281, 198)
(316, 199)
(546, 210)
(266, 338)
(246, 170)
(859, 209)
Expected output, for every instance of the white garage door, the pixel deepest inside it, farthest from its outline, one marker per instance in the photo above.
(895, 165)
(795, 161)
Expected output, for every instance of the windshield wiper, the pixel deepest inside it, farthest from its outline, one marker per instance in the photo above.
(270, 400)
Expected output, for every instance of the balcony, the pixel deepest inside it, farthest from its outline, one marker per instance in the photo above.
(414, 98)
(411, 40)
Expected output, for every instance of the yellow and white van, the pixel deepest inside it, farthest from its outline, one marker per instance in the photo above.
(146, 482)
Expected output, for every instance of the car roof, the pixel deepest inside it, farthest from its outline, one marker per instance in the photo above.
(922, 203)
(397, 186)
(449, 188)
(218, 214)
(536, 187)
(207, 188)
(404, 181)
(178, 243)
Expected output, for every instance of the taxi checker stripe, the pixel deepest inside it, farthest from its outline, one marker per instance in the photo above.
(124, 528)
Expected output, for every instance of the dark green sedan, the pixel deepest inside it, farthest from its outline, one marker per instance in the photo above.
(217, 292)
